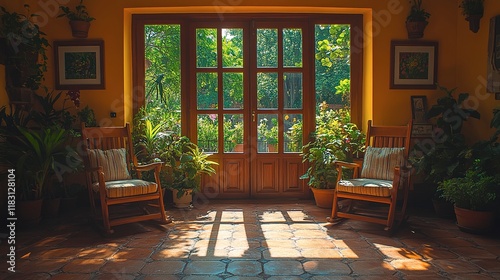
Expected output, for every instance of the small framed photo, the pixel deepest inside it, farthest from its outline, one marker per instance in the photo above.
(419, 108)
(79, 64)
(414, 64)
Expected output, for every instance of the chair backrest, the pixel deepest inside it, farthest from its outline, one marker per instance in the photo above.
(106, 138)
(389, 137)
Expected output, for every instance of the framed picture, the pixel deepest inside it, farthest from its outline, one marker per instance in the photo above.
(79, 64)
(419, 108)
(414, 64)
(422, 130)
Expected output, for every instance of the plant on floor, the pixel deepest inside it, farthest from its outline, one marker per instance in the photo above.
(474, 191)
(335, 138)
(449, 154)
(184, 162)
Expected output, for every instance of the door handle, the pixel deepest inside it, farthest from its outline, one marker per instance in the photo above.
(253, 116)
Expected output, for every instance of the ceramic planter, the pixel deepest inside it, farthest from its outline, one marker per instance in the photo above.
(79, 28)
(323, 197)
(474, 221)
(184, 201)
(415, 29)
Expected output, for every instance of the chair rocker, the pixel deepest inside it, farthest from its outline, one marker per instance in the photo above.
(384, 179)
(109, 162)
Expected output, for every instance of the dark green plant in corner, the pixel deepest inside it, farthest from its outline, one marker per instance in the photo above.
(475, 191)
(448, 154)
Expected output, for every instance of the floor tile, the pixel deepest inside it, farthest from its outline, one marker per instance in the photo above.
(248, 240)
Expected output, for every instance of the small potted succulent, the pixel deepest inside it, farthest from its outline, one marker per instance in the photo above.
(416, 21)
(79, 19)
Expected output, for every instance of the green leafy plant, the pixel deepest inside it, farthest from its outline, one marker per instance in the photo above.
(474, 191)
(449, 155)
(335, 138)
(80, 13)
(87, 116)
(37, 153)
(26, 59)
(417, 13)
(472, 7)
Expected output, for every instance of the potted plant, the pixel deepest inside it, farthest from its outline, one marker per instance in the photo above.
(473, 11)
(184, 162)
(79, 19)
(268, 134)
(187, 173)
(473, 196)
(26, 59)
(416, 21)
(36, 154)
(335, 138)
(449, 153)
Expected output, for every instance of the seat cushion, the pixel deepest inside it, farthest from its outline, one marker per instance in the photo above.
(379, 163)
(374, 187)
(123, 188)
(113, 162)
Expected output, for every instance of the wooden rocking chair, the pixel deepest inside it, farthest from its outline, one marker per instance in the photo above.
(109, 162)
(384, 178)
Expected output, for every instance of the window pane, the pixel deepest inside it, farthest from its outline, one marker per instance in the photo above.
(292, 47)
(292, 83)
(267, 90)
(267, 48)
(293, 133)
(208, 133)
(267, 133)
(206, 47)
(162, 79)
(332, 53)
(233, 90)
(206, 89)
(233, 133)
(232, 47)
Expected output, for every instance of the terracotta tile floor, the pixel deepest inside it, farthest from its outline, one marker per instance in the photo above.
(252, 240)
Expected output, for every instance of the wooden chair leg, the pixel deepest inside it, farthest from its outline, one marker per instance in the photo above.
(164, 219)
(335, 208)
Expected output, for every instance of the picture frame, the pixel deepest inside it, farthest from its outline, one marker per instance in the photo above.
(414, 64)
(422, 130)
(79, 64)
(419, 108)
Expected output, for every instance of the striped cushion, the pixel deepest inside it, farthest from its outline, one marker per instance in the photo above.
(122, 188)
(113, 162)
(365, 186)
(379, 163)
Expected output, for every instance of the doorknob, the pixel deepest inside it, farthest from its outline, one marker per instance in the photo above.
(253, 116)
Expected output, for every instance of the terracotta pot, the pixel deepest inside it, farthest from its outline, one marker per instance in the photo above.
(184, 201)
(474, 22)
(474, 221)
(415, 29)
(79, 28)
(323, 197)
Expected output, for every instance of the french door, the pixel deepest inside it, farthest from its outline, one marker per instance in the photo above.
(249, 111)
(245, 89)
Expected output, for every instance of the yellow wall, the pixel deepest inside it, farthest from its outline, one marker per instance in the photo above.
(462, 54)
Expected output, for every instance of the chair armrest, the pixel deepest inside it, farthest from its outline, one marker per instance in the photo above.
(347, 164)
(339, 165)
(149, 166)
